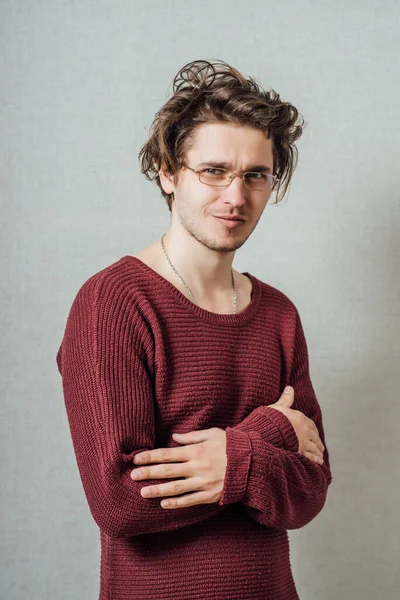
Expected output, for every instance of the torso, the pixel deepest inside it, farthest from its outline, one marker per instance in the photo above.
(151, 257)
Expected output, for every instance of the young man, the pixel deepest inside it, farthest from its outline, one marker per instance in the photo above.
(189, 380)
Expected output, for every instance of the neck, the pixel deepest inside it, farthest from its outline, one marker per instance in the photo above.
(207, 272)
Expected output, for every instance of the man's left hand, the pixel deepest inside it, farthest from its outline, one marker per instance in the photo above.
(201, 461)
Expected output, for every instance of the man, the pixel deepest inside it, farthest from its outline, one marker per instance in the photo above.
(196, 429)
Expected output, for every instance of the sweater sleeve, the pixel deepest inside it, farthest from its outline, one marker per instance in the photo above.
(108, 394)
(273, 426)
(278, 487)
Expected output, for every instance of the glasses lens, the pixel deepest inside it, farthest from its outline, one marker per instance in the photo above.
(213, 176)
(258, 181)
(252, 180)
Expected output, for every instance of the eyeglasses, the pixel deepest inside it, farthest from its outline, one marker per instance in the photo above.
(252, 180)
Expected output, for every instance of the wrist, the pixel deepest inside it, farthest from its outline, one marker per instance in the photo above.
(238, 452)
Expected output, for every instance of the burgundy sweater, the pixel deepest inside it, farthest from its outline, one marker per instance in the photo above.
(140, 361)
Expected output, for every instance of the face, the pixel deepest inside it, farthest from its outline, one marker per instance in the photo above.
(197, 206)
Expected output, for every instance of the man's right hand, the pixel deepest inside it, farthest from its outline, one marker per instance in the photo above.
(310, 444)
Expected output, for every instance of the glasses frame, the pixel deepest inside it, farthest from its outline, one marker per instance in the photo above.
(232, 176)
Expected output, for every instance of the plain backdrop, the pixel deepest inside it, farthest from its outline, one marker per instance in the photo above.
(80, 84)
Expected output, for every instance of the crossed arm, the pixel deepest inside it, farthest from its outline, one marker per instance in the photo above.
(202, 459)
(277, 487)
(250, 477)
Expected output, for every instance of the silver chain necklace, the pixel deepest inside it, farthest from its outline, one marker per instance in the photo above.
(187, 287)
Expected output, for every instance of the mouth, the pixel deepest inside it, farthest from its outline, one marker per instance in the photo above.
(230, 221)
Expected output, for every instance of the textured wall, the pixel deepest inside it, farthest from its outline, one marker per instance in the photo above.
(81, 82)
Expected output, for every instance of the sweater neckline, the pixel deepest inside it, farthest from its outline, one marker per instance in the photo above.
(232, 319)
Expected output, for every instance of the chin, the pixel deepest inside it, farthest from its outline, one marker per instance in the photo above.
(226, 246)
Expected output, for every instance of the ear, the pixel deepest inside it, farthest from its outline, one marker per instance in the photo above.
(167, 180)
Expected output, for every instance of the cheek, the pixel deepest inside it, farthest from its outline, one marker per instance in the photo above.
(207, 203)
(198, 197)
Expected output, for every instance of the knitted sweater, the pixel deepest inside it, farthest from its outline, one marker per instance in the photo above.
(139, 361)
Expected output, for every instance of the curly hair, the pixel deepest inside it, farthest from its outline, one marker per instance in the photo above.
(215, 92)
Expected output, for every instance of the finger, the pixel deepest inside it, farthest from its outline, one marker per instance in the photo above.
(167, 471)
(314, 436)
(192, 437)
(287, 396)
(312, 457)
(186, 500)
(315, 429)
(171, 489)
(313, 448)
(159, 455)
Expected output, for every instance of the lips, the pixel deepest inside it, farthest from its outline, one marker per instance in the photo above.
(230, 223)
(230, 218)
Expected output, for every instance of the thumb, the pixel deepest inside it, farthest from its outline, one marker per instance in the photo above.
(287, 397)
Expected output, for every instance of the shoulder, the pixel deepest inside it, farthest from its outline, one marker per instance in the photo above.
(114, 294)
(107, 315)
(114, 279)
(276, 299)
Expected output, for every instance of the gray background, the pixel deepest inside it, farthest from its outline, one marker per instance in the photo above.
(81, 82)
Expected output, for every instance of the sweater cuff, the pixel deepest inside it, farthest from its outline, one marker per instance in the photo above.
(238, 453)
(281, 430)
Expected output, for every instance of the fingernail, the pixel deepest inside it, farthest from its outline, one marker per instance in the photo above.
(136, 474)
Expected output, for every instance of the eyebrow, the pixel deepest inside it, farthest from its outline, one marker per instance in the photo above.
(225, 165)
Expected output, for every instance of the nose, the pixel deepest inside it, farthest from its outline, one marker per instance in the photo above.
(235, 193)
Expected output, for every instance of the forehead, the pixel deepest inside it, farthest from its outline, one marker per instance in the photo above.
(231, 143)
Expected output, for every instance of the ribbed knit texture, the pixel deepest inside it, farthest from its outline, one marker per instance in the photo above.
(139, 361)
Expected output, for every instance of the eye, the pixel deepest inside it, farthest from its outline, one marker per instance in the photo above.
(220, 171)
(257, 175)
